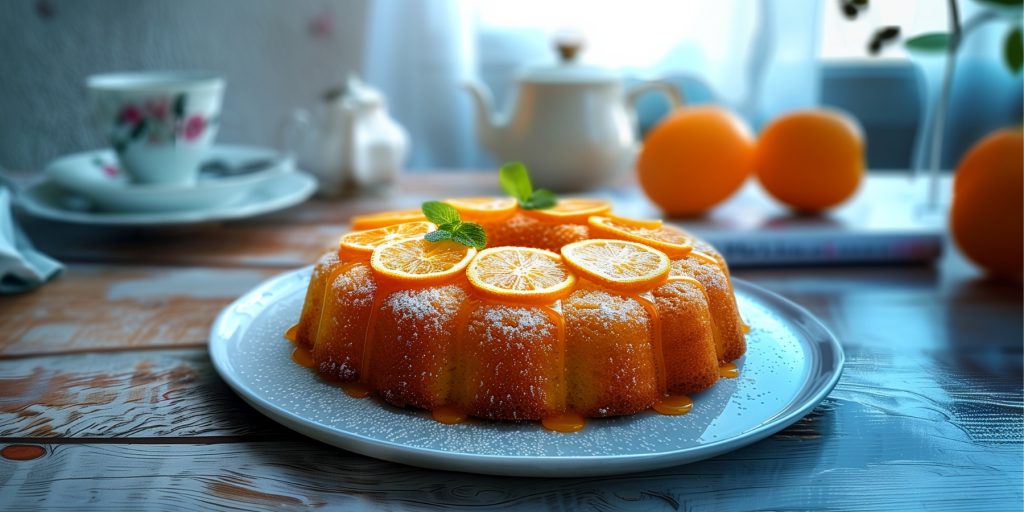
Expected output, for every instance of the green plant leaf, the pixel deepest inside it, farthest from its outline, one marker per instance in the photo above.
(440, 213)
(1001, 3)
(1013, 50)
(515, 180)
(542, 198)
(470, 234)
(934, 42)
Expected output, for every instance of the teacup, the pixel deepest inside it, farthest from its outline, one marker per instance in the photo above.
(160, 123)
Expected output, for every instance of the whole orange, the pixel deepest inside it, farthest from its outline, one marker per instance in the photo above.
(694, 159)
(811, 160)
(987, 219)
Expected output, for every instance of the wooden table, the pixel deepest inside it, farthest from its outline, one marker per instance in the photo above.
(107, 392)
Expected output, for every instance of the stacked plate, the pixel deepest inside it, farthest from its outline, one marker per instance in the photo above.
(234, 182)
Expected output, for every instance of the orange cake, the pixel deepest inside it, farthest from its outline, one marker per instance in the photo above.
(568, 312)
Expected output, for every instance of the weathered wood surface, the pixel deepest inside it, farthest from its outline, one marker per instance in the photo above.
(136, 394)
(106, 369)
(95, 307)
(781, 473)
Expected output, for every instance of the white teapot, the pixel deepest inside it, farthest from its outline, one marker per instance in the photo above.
(351, 142)
(573, 126)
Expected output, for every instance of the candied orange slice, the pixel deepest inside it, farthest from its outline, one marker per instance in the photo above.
(362, 243)
(484, 209)
(572, 210)
(416, 259)
(379, 220)
(666, 239)
(521, 274)
(618, 264)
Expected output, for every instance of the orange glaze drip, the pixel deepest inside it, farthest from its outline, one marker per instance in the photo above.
(745, 327)
(291, 333)
(22, 452)
(706, 257)
(303, 357)
(674, 405)
(384, 289)
(685, 279)
(461, 323)
(340, 267)
(356, 389)
(728, 371)
(566, 422)
(558, 318)
(659, 355)
(448, 414)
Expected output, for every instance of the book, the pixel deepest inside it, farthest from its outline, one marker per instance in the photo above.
(886, 222)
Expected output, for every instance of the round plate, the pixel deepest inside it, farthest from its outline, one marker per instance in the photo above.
(792, 363)
(48, 200)
(227, 174)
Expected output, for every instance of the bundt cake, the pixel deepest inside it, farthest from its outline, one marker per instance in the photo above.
(569, 312)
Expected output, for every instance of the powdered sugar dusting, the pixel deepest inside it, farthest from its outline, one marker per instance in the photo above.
(709, 274)
(596, 306)
(434, 306)
(514, 324)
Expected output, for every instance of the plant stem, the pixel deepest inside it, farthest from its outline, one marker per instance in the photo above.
(939, 120)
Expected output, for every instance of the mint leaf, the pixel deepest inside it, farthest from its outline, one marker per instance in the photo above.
(470, 234)
(542, 198)
(451, 227)
(440, 213)
(438, 235)
(516, 181)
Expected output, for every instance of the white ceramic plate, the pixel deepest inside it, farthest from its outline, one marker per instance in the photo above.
(791, 364)
(50, 201)
(95, 176)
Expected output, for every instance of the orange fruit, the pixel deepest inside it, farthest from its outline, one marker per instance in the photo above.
(362, 243)
(811, 160)
(379, 220)
(669, 240)
(695, 159)
(484, 209)
(618, 264)
(987, 217)
(416, 259)
(574, 211)
(520, 274)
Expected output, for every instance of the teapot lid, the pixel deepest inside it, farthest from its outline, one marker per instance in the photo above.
(568, 70)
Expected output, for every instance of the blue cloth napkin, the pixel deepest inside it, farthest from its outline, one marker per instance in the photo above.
(22, 268)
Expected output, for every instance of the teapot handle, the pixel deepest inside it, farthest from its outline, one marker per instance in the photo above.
(674, 95)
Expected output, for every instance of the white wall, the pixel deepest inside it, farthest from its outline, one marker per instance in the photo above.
(271, 57)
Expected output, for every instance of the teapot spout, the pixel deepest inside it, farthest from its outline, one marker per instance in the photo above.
(486, 123)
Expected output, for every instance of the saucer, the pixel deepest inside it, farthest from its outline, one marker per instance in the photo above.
(48, 200)
(226, 175)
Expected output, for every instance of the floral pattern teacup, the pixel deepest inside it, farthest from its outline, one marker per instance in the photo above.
(160, 124)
